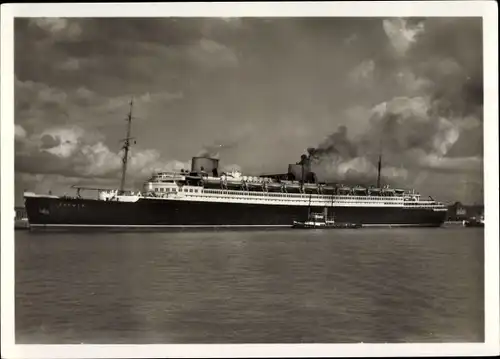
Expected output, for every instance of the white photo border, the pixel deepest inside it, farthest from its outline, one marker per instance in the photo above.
(488, 10)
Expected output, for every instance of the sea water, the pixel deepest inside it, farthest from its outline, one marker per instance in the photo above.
(282, 286)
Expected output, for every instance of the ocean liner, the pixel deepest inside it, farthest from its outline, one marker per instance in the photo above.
(202, 197)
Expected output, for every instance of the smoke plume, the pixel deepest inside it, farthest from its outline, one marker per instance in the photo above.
(441, 101)
(214, 150)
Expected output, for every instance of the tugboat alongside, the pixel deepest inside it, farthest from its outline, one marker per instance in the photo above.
(204, 198)
(320, 220)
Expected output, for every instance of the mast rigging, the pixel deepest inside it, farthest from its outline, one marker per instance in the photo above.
(379, 162)
(126, 147)
(379, 168)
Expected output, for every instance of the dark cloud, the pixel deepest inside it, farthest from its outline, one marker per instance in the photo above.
(436, 126)
(108, 55)
(49, 142)
(264, 88)
(449, 51)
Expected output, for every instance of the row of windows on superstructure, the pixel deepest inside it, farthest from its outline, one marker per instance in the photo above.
(163, 189)
(298, 195)
(278, 195)
(423, 204)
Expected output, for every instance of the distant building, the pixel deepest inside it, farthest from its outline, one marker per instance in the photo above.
(460, 212)
(21, 218)
(20, 213)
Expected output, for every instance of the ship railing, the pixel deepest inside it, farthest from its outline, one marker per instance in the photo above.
(319, 201)
(423, 204)
(315, 197)
(378, 195)
(321, 197)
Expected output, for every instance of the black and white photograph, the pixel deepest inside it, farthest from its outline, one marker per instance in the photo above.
(233, 178)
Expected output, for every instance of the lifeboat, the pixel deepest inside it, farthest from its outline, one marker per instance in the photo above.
(292, 186)
(234, 184)
(328, 190)
(274, 186)
(344, 190)
(212, 182)
(399, 192)
(388, 192)
(254, 184)
(233, 180)
(374, 191)
(359, 191)
(311, 188)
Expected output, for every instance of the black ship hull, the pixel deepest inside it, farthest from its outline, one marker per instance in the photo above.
(53, 213)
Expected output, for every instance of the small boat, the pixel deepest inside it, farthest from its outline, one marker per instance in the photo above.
(374, 191)
(319, 220)
(343, 190)
(474, 222)
(326, 189)
(292, 186)
(274, 187)
(359, 191)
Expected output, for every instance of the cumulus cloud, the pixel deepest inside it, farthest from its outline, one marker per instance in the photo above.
(406, 131)
(411, 83)
(363, 73)
(59, 28)
(401, 33)
(38, 105)
(58, 184)
(443, 164)
(74, 152)
(427, 128)
(70, 64)
(211, 54)
(19, 132)
(61, 142)
(160, 96)
(351, 39)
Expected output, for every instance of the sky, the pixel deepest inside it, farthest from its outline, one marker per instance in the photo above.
(256, 93)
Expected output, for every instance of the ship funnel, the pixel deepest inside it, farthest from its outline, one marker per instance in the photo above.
(296, 170)
(204, 164)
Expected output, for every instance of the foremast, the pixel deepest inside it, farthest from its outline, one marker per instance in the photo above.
(379, 169)
(126, 148)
